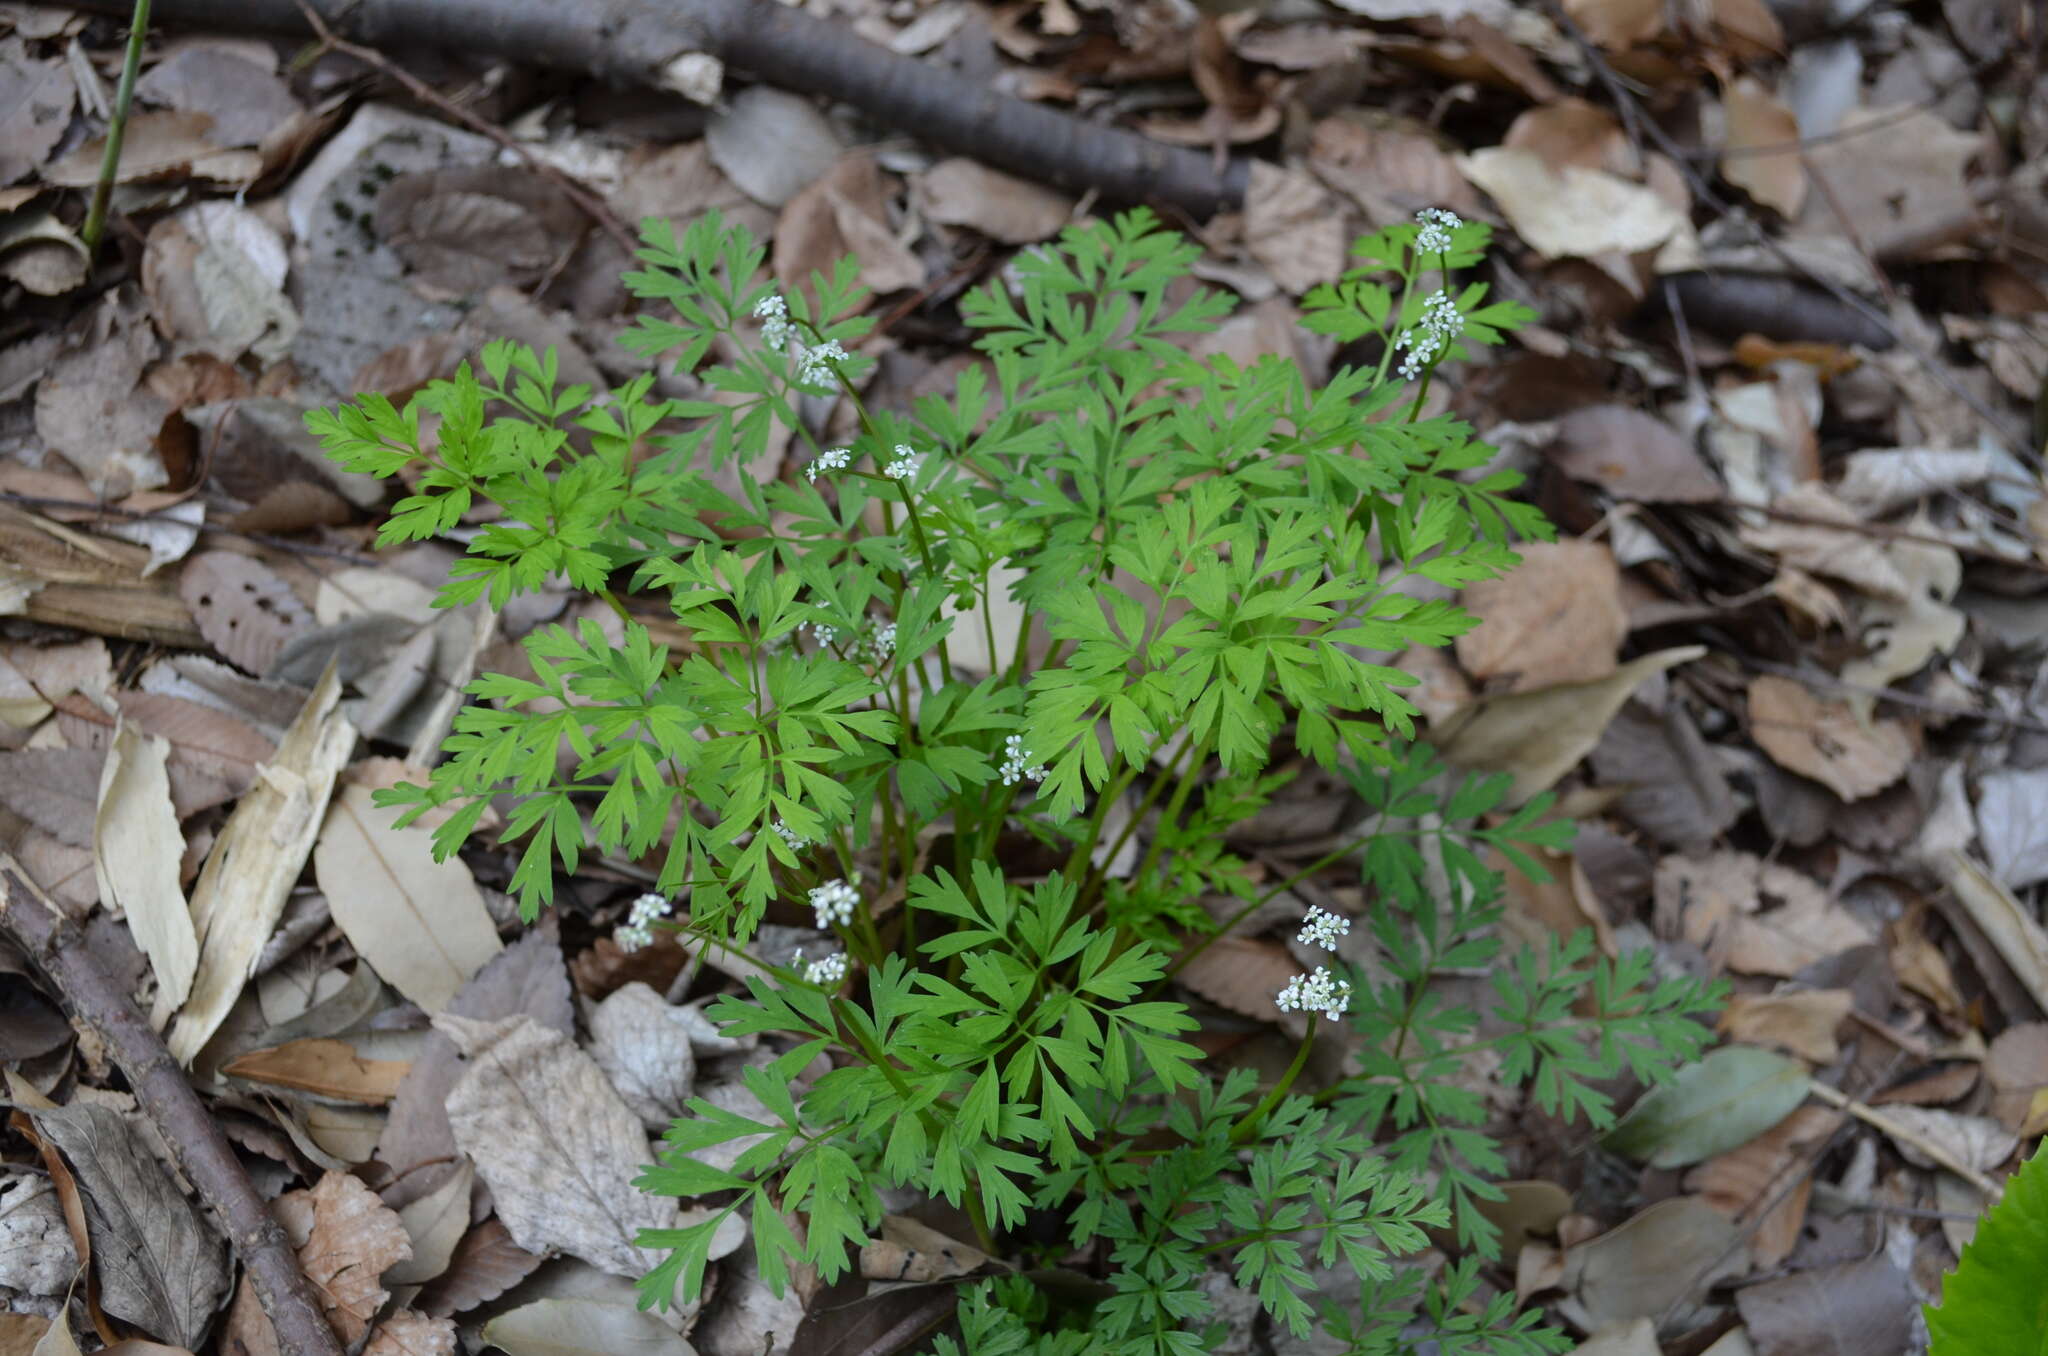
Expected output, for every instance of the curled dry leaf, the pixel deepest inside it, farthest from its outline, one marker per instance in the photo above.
(346, 1239)
(159, 146)
(557, 1146)
(1576, 212)
(1802, 1023)
(1555, 618)
(1762, 158)
(329, 1068)
(136, 850)
(485, 1264)
(1823, 740)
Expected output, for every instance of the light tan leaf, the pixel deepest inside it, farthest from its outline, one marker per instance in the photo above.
(421, 924)
(581, 1327)
(843, 213)
(1757, 121)
(1976, 1142)
(36, 98)
(1537, 737)
(1743, 1183)
(346, 1239)
(1836, 553)
(963, 192)
(1633, 455)
(1822, 739)
(1897, 202)
(330, 1068)
(435, 1223)
(486, 1264)
(2016, 1066)
(642, 1042)
(1555, 618)
(1618, 24)
(1675, 1249)
(1802, 1023)
(557, 1146)
(1388, 170)
(2019, 940)
(214, 756)
(1573, 213)
(136, 852)
(259, 853)
(158, 146)
(1717, 902)
(53, 789)
(1294, 227)
(406, 1333)
(1573, 132)
(1241, 973)
(910, 1250)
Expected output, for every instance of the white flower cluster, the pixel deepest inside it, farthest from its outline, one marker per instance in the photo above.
(814, 365)
(1323, 928)
(825, 634)
(827, 970)
(789, 836)
(1017, 762)
(638, 929)
(882, 644)
(905, 464)
(834, 901)
(1437, 225)
(1441, 322)
(834, 460)
(773, 313)
(1320, 992)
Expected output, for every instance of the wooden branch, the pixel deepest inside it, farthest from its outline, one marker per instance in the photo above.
(54, 941)
(637, 41)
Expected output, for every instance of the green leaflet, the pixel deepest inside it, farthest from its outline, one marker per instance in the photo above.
(1996, 1300)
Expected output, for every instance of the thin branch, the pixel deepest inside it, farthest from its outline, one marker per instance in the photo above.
(1907, 1136)
(55, 942)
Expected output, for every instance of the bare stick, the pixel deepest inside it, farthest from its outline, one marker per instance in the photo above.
(1907, 1136)
(53, 940)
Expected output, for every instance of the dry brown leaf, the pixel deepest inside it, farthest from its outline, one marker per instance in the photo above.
(407, 1333)
(234, 83)
(159, 146)
(845, 212)
(1676, 1249)
(910, 1250)
(1576, 212)
(1240, 973)
(1903, 201)
(1743, 1183)
(54, 789)
(2016, 1066)
(1976, 1142)
(465, 228)
(346, 1239)
(1294, 227)
(642, 1042)
(1861, 1308)
(1675, 785)
(2007, 923)
(435, 1223)
(1821, 739)
(244, 607)
(1618, 24)
(963, 192)
(330, 1068)
(1555, 618)
(485, 1265)
(557, 1147)
(1717, 902)
(93, 409)
(421, 924)
(1573, 132)
(1920, 966)
(1391, 170)
(1837, 553)
(215, 276)
(214, 757)
(136, 849)
(1537, 737)
(36, 98)
(1633, 455)
(1756, 120)
(1802, 1023)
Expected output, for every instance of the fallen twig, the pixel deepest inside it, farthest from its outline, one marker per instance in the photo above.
(53, 940)
(638, 41)
(1907, 1136)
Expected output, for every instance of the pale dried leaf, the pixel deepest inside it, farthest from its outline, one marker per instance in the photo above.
(1537, 737)
(1977, 1142)
(963, 192)
(771, 143)
(242, 606)
(1573, 132)
(215, 277)
(845, 212)
(406, 1333)
(642, 1042)
(1555, 618)
(1821, 739)
(1242, 974)
(1802, 1022)
(1389, 171)
(54, 789)
(2016, 1066)
(558, 1148)
(329, 1068)
(581, 1327)
(421, 924)
(159, 146)
(1675, 1249)
(1893, 201)
(346, 1239)
(214, 756)
(259, 853)
(486, 1264)
(36, 98)
(2008, 925)
(1294, 227)
(231, 82)
(137, 848)
(1861, 1308)
(911, 1250)
(1836, 553)
(1632, 455)
(93, 409)
(1574, 213)
(2012, 820)
(435, 1223)
(1775, 177)
(1676, 789)
(36, 1254)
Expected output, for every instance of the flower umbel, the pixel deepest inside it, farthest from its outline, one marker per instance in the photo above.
(773, 313)
(834, 460)
(1441, 322)
(815, 368)
(1323, 928)
(1437, 225)
(905, 463)
(834, 901)
(638, 929)
(1017, 762)
(1318, 992)
(789, 836)
(826, 970)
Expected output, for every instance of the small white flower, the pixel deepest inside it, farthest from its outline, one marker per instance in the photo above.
(835, 901)
(832, 460)
(1319, 992)
(905, 463)
(827, 970)
(773, 313)
(814, 368)
(882, 644)
(1437, 225)
(789, 836)
(1323, 928)
(638, 929)
(1017, 762)
(1440, 323)
(825, 634)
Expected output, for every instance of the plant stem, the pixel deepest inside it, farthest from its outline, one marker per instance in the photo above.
(117, 127)
(1248, 910)
(1256, 1117)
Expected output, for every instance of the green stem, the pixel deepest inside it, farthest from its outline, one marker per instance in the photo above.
(117, 127)
(1249, 909)
(1256, 1117)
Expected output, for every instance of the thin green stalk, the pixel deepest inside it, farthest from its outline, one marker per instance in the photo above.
(1256, 1117)
(117, 128)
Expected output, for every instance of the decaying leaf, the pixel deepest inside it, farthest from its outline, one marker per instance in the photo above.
(2019, 940)
(1555, 618)
(421, 924)
(1240, 973)
(136, 849)
(346, 1239)
(330, 1068)
(36, 98)
(485, 1264)
(36, 1254)
(558, 1148)
(1751, 915)
(1802, 1023)
(1856, 1309)
(2012, 820)
(159, 146)
(581, 1327)
(1537, 737)
(1762, 158)
(1755, 1185)
(244, 608)
(1576, 212)
(1823, 740)
(214, 756)
(435, 1223)
(642, 1042)
(1294, 227)
(1632, 455)
(910, 1250)
(1672, 1251)
(962, 192)
(1718, 1104)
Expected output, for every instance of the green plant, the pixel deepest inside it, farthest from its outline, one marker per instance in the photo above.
(1995, 1301)
(1213, 553)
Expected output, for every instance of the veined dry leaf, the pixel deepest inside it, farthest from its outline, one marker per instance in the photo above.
(346, 1239)
(1977, 1142)
(1240, 973)
(1802, 1022)
(435, 1223)
(1294, 227)
(234, 83)
(1675, 788)
(244, 608)
(1756, 121)
(54, 789)
(642, 1043)
(330, 1068)
(160, 1264)
(1390, 170)
(1835, 552)
(36, 99)
(215, 275)
(558, 1148)
(214, 756)
(1555, 618)
(2012, 819)
(1822, 739)
(1856, 1309)
(1537, 737)
(421, 924)
(1576, 212)
(248, 876)
(1743, 1183)
(2016, 1066)
(36, 1252)
(911, 1250)
(136, 849)
(407, 1333)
